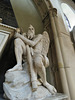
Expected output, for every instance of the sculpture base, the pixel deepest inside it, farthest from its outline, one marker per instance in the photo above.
(58, 96)
(17, 86)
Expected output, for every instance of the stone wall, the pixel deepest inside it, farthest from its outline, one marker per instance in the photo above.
(6, 13)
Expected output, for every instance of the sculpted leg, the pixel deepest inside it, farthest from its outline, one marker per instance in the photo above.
(42, 73)
(18, 53)
(32, 70)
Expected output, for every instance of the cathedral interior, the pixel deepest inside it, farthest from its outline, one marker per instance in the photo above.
(10, 17)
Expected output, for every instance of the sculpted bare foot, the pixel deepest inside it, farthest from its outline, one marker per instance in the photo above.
(34, 86)
(17, 67)
(51, 88)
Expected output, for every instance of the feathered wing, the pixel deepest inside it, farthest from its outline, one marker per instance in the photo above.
(46, 42)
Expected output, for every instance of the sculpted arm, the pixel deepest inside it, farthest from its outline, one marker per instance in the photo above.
(32, 43)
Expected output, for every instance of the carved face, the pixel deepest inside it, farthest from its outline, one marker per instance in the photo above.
(31, 32)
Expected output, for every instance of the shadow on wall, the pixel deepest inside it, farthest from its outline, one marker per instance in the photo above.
(7, 61)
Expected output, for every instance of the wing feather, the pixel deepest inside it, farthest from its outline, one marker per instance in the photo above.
(46, 42)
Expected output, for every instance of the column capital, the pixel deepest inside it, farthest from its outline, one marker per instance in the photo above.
(53, 12)
(50, 12)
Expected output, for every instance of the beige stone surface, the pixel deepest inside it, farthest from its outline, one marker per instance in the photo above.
(26, 13)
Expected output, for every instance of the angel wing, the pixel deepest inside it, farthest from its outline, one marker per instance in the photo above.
(46, 42)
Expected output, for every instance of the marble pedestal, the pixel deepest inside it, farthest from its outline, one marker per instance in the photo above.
(17, 86)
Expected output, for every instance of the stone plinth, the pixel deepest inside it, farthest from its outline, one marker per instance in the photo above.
(17, 86)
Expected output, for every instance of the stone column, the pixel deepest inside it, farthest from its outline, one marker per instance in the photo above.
(67, 51)
(53, 15)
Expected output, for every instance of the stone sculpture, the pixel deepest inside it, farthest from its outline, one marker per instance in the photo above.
(33, 50)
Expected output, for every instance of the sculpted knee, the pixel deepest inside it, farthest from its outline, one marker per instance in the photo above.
(16, 41)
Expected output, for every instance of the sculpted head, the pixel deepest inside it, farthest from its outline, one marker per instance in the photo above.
(31, 32)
